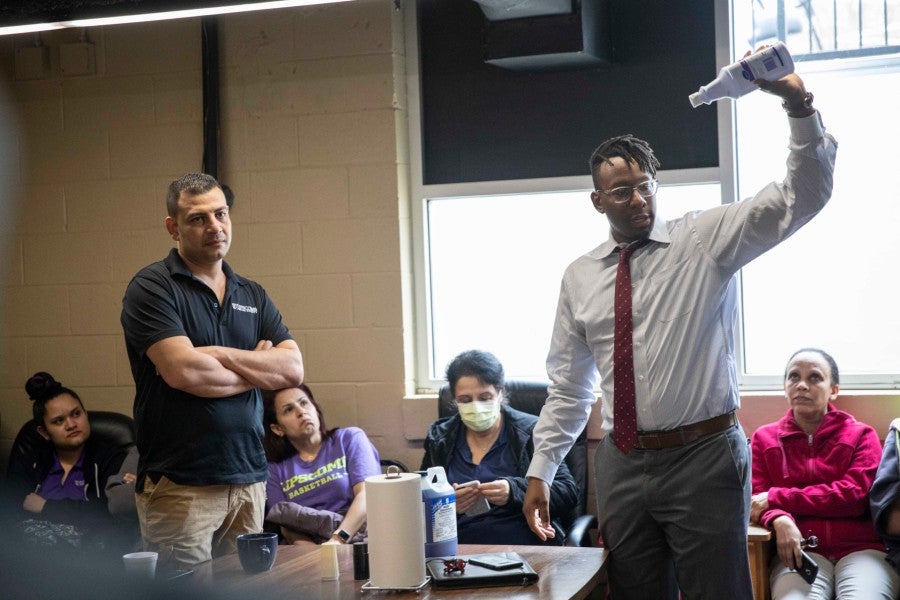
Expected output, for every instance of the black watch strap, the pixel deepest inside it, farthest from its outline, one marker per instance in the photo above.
(343, 535)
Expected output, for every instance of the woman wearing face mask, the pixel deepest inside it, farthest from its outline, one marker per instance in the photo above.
(490, 443)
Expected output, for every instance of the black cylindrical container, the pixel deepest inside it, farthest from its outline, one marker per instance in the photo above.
(360, 560)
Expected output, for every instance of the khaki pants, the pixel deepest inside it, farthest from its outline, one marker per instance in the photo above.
(189, 524)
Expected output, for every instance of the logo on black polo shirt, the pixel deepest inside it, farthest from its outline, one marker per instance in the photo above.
(242, 308)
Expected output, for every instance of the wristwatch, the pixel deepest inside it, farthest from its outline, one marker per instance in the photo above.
(805, 108)
(343, 535)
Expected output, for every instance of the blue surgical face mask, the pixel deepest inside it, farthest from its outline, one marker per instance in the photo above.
(479, 415)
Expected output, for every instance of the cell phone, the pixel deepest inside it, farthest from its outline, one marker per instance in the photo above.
(495, 562)
(808, 568)
(480, 507)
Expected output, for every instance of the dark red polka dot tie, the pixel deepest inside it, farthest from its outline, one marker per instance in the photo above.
(624, 411)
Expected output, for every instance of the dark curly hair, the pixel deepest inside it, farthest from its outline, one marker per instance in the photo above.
(629, 148)
(42, 387)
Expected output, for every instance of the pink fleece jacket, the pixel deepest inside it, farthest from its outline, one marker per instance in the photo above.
(821, 481)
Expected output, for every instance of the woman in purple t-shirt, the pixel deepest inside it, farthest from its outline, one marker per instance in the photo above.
(316, 485)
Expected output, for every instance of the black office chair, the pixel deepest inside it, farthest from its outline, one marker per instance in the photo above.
(529, 397)
(111, 427)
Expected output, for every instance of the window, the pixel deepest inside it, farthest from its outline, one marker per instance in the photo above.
(490, 256)
(832, 284)
(496, 263)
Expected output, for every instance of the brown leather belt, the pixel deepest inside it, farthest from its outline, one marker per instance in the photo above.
(672, 438)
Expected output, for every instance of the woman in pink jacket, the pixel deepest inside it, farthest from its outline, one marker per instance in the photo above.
(812, 471)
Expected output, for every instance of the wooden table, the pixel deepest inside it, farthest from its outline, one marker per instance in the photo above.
(759, 550)
(563, 573)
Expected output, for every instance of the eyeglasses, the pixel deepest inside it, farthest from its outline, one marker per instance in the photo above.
(623, 194)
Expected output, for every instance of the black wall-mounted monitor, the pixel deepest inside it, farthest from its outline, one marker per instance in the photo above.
(482, 122)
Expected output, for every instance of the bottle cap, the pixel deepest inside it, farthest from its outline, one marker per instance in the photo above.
(695, 99)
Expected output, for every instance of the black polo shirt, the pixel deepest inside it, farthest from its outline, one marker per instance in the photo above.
(189, 439)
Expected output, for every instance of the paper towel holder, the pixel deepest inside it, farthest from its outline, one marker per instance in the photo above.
(393, 472)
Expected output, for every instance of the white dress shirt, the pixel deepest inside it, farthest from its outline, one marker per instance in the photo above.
(684, 288)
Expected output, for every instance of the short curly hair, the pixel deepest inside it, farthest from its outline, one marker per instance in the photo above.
(627, 147)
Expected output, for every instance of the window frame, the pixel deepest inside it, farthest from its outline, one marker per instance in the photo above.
(420, 193)
(725, 175)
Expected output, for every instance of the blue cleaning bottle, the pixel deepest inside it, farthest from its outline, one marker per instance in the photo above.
(439, 502)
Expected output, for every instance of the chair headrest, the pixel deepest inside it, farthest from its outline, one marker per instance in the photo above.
(112, 427)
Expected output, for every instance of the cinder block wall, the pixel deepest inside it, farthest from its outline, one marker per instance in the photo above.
(314, 145)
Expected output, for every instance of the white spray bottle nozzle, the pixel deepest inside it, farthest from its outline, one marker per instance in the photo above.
(696, 99)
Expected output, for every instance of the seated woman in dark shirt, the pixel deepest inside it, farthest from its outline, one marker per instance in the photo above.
(58, 488)
(490, 443)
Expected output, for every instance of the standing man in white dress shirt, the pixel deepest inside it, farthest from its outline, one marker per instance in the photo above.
(674, 504)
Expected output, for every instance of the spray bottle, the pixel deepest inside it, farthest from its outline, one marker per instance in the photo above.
(736, 79)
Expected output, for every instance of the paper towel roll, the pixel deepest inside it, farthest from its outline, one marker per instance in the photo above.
(396, 524)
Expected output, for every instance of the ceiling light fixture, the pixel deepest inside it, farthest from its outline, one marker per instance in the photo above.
(161, 16)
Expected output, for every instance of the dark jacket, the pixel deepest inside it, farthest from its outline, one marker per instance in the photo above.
(885, 490)
(564, 492)
(28, 471)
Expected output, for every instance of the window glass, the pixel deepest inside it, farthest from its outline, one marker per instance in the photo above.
(832, 284)
(496, 263)
(493, 263)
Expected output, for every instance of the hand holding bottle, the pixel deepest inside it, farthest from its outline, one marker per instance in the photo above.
(768, 63)
(795, 99)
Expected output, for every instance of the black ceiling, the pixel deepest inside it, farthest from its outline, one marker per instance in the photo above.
(42, 11)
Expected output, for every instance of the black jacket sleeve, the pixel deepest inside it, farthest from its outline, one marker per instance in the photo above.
(886, 490)
(92, 514)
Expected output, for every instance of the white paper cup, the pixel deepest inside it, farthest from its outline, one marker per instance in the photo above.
(141, 564)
